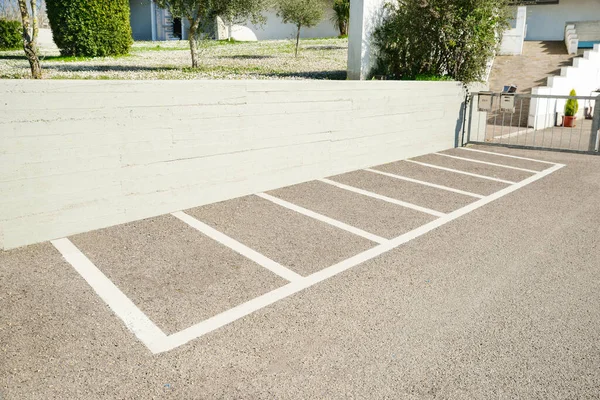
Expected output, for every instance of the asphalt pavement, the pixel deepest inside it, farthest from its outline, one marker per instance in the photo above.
(463, 275)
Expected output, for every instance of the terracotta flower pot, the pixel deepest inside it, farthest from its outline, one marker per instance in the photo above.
(569, 122)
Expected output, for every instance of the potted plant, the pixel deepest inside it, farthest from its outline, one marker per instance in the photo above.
(571, 108)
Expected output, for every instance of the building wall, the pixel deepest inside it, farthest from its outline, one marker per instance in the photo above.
(82, 155)
(274, 29)
(547, 22)
(141, 20)
(512, 39)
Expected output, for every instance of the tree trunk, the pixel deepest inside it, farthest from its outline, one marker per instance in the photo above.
(298, 40)
(343, 28)
(30, 39)
(193, 44)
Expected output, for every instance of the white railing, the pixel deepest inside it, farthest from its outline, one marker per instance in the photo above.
(571, 39)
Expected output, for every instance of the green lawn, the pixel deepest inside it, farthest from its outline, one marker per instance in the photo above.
(318, 59)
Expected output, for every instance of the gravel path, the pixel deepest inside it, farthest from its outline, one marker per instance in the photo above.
(318, 59)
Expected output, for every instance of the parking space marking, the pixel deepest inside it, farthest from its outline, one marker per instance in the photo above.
(157, 341)
(384, 198)
(180, 338)
(505, 155)
(456, 171)
(433, 185)
(135, 320)
(323, 218)
(238, 247)
(486, 163)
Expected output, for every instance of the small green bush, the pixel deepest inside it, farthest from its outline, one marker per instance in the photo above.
(572, 105)
(10, 35)
(90, 28)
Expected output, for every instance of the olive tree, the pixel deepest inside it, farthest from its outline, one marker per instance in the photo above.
(239, 11)
(30, 35)
(301, 13)
(450, 38)
(200, 12)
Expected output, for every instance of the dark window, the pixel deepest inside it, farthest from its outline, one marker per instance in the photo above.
(177, 28)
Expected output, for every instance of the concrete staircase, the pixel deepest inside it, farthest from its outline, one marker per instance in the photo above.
(540, 59)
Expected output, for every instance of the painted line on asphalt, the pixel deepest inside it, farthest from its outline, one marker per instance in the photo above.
(506, 155)
(135, 320)
(323, 218)
(486, 163)
(238, 247)
(180, 338)
(384, 198)
(456, 171)
(433, 185)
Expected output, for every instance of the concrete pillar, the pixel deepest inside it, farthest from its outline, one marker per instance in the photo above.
(365, 16)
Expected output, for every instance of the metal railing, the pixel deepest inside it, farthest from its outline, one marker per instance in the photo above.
(532, 121)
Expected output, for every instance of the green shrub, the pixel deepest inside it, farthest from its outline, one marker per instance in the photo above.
(341, 16)
(10, 35)
(90, 28)
(453, 38)
(572, 105)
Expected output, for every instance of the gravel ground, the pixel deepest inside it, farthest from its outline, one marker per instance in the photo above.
(318, 59)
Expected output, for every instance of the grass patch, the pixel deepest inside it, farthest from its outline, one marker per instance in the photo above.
(424, 77)
(270, 59)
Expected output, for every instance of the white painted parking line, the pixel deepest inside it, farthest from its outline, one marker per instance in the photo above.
(238, 247)
(456, 171)
(135, 320)
(506, 155)
(323, 218)
(433, 185)
(265, 300)
(486, 163)
(384, 198)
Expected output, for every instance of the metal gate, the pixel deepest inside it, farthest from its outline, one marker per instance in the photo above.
(532, 121)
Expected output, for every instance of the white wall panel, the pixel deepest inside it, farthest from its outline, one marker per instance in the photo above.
(82, 155)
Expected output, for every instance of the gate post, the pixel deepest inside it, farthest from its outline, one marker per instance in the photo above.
(593, 146)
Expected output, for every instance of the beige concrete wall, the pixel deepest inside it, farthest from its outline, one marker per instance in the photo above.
(81, 155)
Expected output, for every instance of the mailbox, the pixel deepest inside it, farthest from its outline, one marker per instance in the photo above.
(507, 102)
(485, 101)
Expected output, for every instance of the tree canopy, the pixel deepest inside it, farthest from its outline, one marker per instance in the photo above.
(301, 13)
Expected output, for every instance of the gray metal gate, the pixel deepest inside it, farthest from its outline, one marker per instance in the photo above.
(532, 121)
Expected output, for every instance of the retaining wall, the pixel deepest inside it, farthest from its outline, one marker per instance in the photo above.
(81, 155)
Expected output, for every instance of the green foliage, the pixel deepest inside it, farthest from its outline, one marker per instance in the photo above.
(10, 35)
(90, 28)
(301, 13)
(341, 16)
(453, 38)
(572, 105)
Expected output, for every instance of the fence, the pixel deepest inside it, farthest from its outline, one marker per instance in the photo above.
(512, 120)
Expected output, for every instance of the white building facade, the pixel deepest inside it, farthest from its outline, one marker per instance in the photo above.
(546, 20)
(149, 22)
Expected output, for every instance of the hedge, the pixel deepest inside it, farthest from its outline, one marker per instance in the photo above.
(90, 28)
(10, 35)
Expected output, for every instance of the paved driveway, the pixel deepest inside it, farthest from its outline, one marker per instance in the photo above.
(467, 274)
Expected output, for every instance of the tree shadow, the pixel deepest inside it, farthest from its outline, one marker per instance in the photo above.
(110, 68)
(325, 47)
(336, 75)
(12, 57)
(248, 57)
